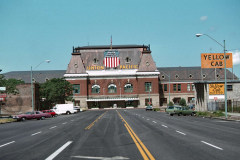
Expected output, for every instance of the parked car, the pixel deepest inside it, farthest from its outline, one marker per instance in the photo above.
(150, 108)
(171, 110)
(53, 114)
(187, 111)
(32, 115)
(77, 108)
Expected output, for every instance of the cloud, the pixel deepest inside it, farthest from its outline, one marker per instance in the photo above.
(236, 57)
(203, 18)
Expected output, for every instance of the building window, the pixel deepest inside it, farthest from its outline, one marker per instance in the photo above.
(165, 87)
(188, 87)
(148, 87)
(174, 87)
(76, 88)
(229, 87)
(95, 61)
(148, 101)
(128, 88)
(112, 88)
(193, 87)
(179, 87)
(127, 60)
(95, 89)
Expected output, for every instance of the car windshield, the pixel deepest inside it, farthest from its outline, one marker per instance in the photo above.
(170, 107)
(28, 113)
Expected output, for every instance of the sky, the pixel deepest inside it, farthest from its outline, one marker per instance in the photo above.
(32, 31)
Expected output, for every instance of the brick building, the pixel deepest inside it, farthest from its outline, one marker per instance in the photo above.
(182, 82)
(123, 76)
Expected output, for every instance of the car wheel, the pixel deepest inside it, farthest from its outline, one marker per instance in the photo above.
(67, 112)
(23, 119)
(42, 118)
(171, 114)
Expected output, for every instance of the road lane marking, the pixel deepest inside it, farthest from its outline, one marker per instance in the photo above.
(64, 123)
(57, 152)
(141, 147)
(101, 158)
(164, 126)
(181, 132)
(53, 127)
(154, 121)
(212, 145)
(7, 144)
(36, 133)
(92, 124)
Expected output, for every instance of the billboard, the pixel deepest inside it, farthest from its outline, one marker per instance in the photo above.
(216, 60)
(216, 89)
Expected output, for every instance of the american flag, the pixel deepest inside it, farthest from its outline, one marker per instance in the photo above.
(111, 62)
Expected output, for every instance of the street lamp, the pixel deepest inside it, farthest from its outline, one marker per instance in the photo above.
(48, 61)
(169, 76)
(225, 75)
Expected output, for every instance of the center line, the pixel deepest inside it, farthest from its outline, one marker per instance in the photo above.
(36, 133)
(64, 123)
(154, 122)
(181, 133)
(53, 127)
(6, 144)
(212, 145)
(164, 126)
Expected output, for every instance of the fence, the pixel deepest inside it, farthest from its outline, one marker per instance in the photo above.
(232, 106)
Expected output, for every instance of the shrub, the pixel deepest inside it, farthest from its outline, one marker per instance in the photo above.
(170, 104)
(182, 102)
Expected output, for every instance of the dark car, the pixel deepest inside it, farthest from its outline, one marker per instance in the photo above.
(32, 115)
(150, 108)
(53, 114)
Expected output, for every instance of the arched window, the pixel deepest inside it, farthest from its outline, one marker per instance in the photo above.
(112, 88)
(128, 88)
(95, 89)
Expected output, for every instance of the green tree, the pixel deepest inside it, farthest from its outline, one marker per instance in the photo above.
(170, 103)
(55, 91)
(10, 84)
(182, 102)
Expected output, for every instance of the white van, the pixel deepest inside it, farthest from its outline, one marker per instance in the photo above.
(64, 109)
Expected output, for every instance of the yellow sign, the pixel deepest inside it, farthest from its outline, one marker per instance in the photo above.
(216, 89)
(216, 60)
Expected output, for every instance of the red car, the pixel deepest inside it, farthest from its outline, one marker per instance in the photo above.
(32, 115)
(53, 114)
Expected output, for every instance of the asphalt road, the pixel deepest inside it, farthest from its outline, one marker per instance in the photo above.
(121, 134)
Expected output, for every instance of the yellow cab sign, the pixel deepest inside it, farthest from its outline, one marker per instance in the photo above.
(216, 89)
(216, 60)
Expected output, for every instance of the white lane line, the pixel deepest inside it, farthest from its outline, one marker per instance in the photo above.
(164, 126)
(154, 121)
(57, 152)
(64, 123)
(36, 133)
(142, 117)
(212, 145)
(181, 132)
(53, 127)
(6, 144)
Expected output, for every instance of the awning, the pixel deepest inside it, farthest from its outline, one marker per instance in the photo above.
(111, 99)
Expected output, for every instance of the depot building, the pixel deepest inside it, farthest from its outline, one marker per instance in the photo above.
(113, 76)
